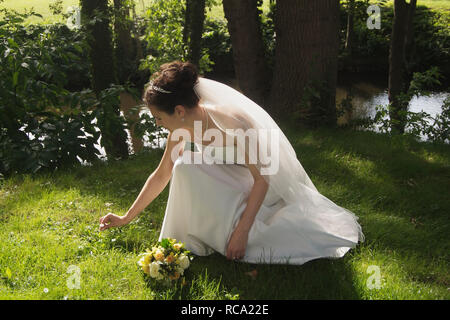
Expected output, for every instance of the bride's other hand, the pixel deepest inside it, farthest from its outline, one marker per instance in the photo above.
(237, 244)
(111, 220)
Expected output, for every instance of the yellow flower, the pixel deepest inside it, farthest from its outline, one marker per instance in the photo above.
(178, 246)
(159, 255)
(147, 258)
(146, 268)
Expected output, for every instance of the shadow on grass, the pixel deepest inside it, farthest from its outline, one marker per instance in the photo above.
(406, 208)
(215, 277)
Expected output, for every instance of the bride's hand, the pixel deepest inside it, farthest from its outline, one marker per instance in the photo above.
(237, 244)
(112, 220)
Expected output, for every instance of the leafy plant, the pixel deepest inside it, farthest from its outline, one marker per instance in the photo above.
(164, 36)
(43, 124)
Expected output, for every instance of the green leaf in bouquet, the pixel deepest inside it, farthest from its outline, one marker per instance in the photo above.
(165, 243)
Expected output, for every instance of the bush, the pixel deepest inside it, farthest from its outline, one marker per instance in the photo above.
(35, 62)
(217, 41)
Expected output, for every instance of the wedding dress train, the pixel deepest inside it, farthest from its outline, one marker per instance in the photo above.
(206, 202)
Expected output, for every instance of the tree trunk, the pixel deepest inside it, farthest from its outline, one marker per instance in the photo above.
(398, 84)
(103, 74)
(350, 27)
(193, 29)
(248, 48)
(124, 51)
(307, 44)
(195, 39)
(409, 35)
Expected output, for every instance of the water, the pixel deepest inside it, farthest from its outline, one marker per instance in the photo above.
(368, 95)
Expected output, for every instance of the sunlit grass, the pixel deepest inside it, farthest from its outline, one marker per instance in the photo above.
(49, 223)
(432, 4)
(42, 7)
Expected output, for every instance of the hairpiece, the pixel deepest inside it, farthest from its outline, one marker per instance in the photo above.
(158, 88)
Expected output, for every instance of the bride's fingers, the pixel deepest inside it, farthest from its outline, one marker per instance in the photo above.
(106, 219)
(104, 226)
(229, 256)
(105, 222)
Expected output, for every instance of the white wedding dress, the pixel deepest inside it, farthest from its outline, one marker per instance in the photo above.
(206, 201)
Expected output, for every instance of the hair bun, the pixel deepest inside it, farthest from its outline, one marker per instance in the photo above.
(188, 76)
(177, 76)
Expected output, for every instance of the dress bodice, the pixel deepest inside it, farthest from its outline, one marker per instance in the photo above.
(219, 153)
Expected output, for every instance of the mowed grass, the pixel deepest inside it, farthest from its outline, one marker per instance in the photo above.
(42, 7)
(398, 188)
(432, 4)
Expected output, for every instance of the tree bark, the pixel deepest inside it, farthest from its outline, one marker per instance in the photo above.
(248, 48)
(398, 84)
(124, 51)
(193, 29)
(307, 44)
(103, 74)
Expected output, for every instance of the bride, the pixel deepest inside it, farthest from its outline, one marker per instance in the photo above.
(243, 192)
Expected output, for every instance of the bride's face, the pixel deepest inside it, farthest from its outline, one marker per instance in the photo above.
(163, 119)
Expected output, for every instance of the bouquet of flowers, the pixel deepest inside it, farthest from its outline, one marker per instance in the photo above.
(166, 261)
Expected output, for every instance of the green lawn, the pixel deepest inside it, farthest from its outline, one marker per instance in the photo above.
(396, 187)
(41, 6)
(433, 4)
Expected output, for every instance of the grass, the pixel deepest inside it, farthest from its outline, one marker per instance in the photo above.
(433, 4)
(49, 222)
(42, 7)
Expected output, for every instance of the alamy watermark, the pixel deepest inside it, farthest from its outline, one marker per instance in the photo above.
(74, 17)
(74, 280)
(374, 281)
(374, 19)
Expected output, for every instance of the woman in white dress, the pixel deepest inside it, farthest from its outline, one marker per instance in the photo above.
(226, 196)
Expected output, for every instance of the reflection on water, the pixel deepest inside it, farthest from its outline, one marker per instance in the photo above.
(367, 96)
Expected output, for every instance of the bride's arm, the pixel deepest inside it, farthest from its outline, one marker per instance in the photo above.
(157, 181)
(238, 241)
(154, 185)
(255, 199)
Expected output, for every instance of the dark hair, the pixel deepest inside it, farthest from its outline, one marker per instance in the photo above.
(177, 77)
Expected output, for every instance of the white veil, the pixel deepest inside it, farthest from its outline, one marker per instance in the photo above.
(234, 114)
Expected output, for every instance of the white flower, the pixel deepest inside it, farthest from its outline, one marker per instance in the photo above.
(154, 270)
(184, 261)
